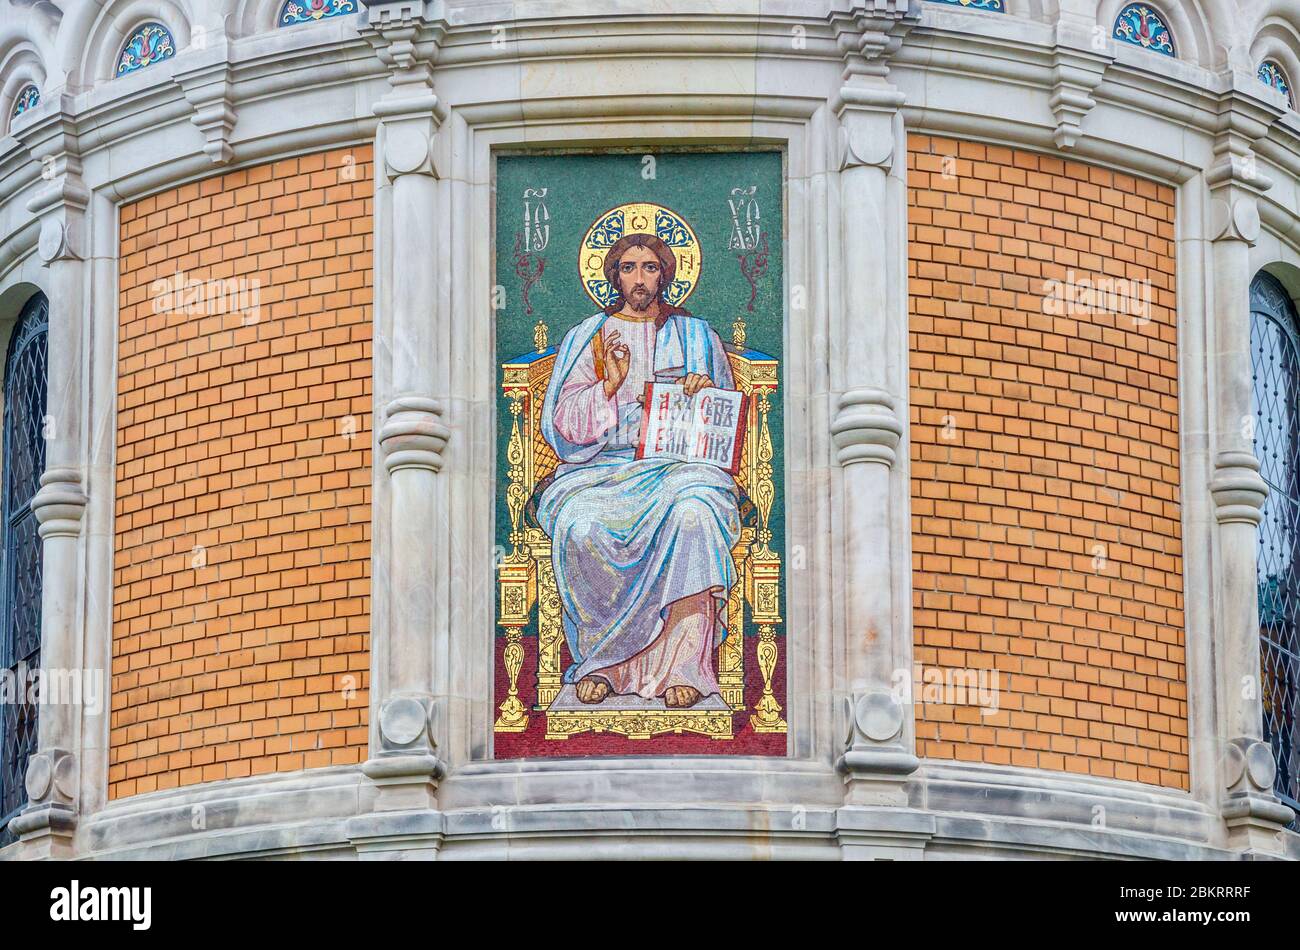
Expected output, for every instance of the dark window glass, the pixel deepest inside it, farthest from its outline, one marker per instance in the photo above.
(20, 580)
(1275, 365)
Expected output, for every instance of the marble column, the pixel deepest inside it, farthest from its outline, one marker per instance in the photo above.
(47, 824)
(1252, 813)
(868, 424)
(404, 761)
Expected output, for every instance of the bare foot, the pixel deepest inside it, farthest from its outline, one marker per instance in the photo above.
(592, 690)
(680, 696)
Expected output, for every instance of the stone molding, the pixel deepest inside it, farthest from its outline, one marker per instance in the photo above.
(413, 435)
(954, 810)
(866, 428)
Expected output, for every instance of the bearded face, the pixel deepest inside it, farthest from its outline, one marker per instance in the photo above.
(640, 275)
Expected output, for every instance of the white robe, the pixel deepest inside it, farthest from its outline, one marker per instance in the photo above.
(641, 547)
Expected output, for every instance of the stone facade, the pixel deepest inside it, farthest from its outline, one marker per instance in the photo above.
(941, 165)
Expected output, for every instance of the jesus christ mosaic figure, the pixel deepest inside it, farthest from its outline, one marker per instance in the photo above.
(641, 547)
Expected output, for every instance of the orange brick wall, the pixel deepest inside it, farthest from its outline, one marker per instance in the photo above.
(242, 566)
(1038, 443)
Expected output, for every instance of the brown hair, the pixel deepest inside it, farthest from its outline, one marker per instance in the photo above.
(667, 261)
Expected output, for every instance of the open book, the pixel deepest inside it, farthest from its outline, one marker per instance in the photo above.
(707, 427)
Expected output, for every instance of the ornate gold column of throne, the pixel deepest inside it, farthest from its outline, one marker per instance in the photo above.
(525, 577)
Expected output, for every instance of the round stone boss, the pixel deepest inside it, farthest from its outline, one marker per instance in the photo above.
(878, 715)
(39, 776)
(401, 720)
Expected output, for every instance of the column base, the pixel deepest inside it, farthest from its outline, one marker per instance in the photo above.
(46, 832)
(406, 781)
(1255, 824)
(877, 775)
(405, 824)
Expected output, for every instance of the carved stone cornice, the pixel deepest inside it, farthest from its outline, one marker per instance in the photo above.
(207, 88)
(51, 138)
(413, 435)
(1078, 66)
(405, 33)
(869, 32)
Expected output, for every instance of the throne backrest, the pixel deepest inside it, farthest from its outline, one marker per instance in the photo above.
(525, 379)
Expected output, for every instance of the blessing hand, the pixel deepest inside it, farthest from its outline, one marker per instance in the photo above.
(617, 360)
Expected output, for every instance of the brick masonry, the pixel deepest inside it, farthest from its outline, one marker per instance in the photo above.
(242, 564)
(1046, 520)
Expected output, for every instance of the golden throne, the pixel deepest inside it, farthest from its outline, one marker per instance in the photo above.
(526, 580)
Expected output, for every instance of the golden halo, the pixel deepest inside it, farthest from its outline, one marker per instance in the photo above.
(639, 217)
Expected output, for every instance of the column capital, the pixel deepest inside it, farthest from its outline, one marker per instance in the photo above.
(869, 32)
(1243, 118)
(1234, 215)
(406, 35)
(50, 136)
(866, 132)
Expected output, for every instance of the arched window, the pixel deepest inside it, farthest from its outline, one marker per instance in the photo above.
(1271, 74)
(27, 97)
(1275, 372)
(1142, 26)
(20, 574)
(305, 11)
(150, 43)
(996, 6)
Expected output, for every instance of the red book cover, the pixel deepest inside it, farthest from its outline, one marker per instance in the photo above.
(742, 420)
(645, 419)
